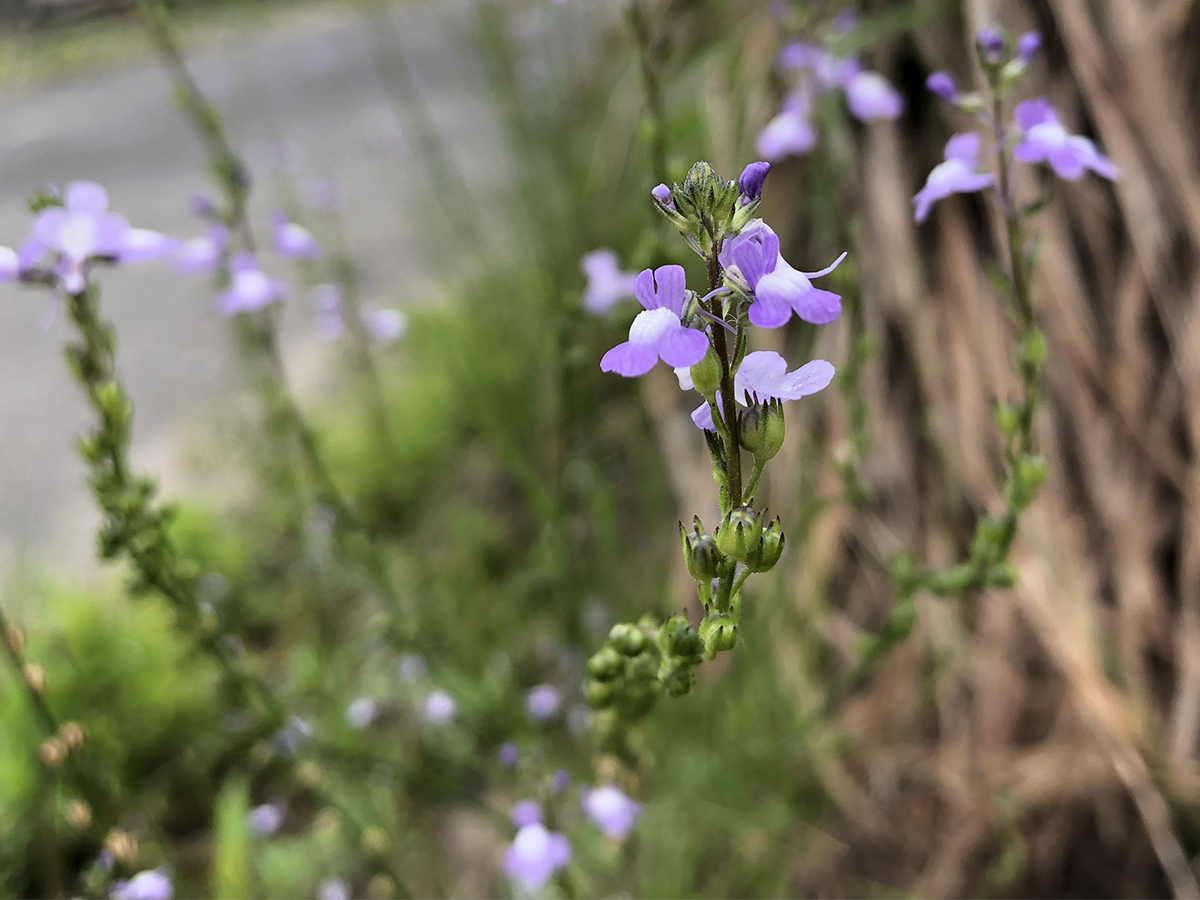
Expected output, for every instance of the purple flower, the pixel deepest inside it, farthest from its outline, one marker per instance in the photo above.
(991, 41)
(751, 182)
(662, 194)
(526, 812)
(560, 781)
(292, 240)
(958, 174)
(1028, 45)
(411, 667)
(250, 288)
(845, 20)
(509, 755)
(10, 264)
(266, 819)
(153, 884)
(361, 713)
(942, 84)
(870, 97)
(611, 810)
(800, 55)
(534, 856)
(333, 889)
(542, 702)
(202, 206)
(779, 290)
(439, 708)
(657, 332)
(833, 72)
(790, 133)
(763, 374)
(202, 254)
(144, 245)
(607, 285)
(75, 233)
(1043, 139)
(384, 324)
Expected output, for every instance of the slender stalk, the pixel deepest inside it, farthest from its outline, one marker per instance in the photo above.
(733, 453)
(652, 84)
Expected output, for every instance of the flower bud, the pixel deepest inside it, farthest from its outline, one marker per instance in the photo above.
(600, 694)
(374, 841)
(79, 815)
(678, 639)
(627, 639)
(990, 44)
(706, 374)
(606, 664)
(739, 534)
(662, 194)
(15, 639)
(719, 634)
(72, 735)
(122, 845)
(770, 548)
(751, 182)
(35, 677)
(1007, 419)
(700, 553)
(942, 84)
(761, 429)
(52, 752)
(1028, 45)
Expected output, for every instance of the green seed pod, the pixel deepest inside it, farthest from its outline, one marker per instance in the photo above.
(601, 693)
(706, 374)
(740, 533)
(770, 548)
(718, 634)
(606, 664)
(627, 639)
(700, 553)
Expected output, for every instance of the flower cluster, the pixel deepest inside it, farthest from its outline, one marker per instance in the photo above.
(704, 338)
(817, 70)
(1035, 135)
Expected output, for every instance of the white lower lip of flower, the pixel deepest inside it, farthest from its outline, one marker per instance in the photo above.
(77, 239)
(651, 325)
(252, 284)
(1048, 134)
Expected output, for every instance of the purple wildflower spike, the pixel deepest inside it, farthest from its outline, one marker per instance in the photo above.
(871, 97)
(1044, 139)
(763, 374)
(250, 288)
(942, 84)
(779, 290)
(534, 856)
(543, 702)
(1028, 45)
(265, 820)
(611, 810)
(560, 781)
(153, 884)
(607, 284)
(958, 174)
(790, 133)
(526, 812)
(657, 333)
(751, 182)
(293, 240)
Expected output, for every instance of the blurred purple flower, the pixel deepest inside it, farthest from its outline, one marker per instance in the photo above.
(779, 290)
(75, 233)
(266, 819)
(105, 860)
(958, 174)
(800, 55)
(657, 333)
(1043, 139)
(534, 856)
(607, 284)
(942, 84)
(611, 810)
(202, 206)
(439, 708)
(526, 812)
(250, 288)
(542, 702)
(845, 20)
(293, 240)
(384, 324)
(991, 41)
(871, 97)
(143, 245)
(763, 374)
(411, 667)
(361, 713)
(560, 781)
(153, 884)
(333, 889)
(1028, 45)
(509, 755)
(202, 254)
(790, 133)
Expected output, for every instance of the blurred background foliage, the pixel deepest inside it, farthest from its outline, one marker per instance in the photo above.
(526, 502)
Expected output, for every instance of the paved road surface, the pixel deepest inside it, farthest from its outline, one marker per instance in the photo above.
(311, 81)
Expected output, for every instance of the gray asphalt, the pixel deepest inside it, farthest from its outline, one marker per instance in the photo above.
(311, 81)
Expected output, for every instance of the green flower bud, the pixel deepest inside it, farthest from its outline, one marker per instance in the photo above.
(700, 553)
(676, 676)
(678, 639)
(761, 429)
(740, 533)
(1007, 418)
(642, 669)
(770, 548)
(952, 581)
(719, 634)
(606, 665)
(1034, 348)
(601, 693)
(706, 374)
(627, 639)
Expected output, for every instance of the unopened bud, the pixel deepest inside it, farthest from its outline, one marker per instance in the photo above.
(627, 639)
(122, 845)
(374, 841)
(15, 639)
(706, 374)
(739, 534)
(52, 752)
(700, 553)
(72, 735)
(761, 429)
(35, 677)
(606, 664)
(79, 815)
(600, 694)
(719, 634)
(751, 182)
(381, 887)
(770, 548)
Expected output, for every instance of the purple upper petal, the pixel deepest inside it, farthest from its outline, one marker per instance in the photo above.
(534, 856)
(870, 97)
(1034, 111)
(611, 810)
(85, 198)
(788, 134)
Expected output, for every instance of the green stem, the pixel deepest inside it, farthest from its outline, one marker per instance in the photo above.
(652, 84)
(755, 476)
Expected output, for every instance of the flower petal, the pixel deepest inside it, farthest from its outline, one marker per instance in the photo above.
(769, 312)
(629, 359)
(817, 306)
(963, 146)
(85, 198)
(672, 288)
(829, 268)
(702, 416)
(643, 289)
(808, 379)
(682, 346)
